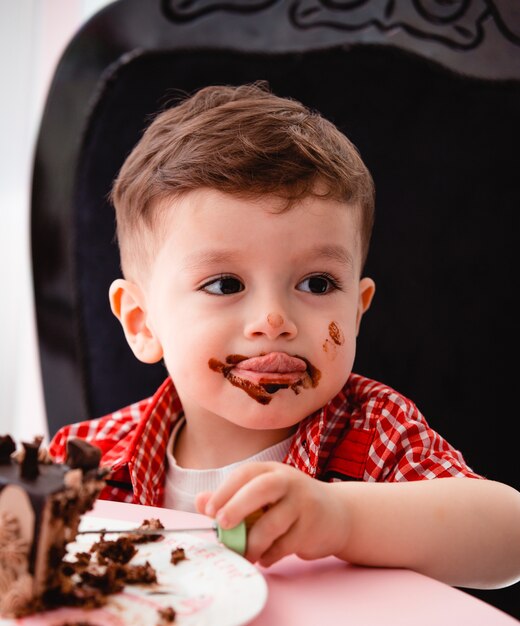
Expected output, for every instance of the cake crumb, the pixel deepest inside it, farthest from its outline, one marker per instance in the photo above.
(166, 616)
(119, 550)
(177, 555)
(148, 524)
(140, 574)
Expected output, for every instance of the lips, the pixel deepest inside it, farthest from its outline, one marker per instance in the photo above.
(273, 367)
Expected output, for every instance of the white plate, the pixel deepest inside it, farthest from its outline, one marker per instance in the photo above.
(212, 587)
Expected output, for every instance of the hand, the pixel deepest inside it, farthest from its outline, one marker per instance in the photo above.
(303, 516)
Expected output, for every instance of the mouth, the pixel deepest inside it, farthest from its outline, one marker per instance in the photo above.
(275, 369)
(262, 376)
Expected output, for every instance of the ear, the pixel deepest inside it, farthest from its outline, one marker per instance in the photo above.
(367, 289)
(128, 304)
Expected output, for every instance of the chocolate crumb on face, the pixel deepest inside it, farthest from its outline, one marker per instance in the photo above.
(275, 320)
(335, 339)
(335, 334)
(177, 555)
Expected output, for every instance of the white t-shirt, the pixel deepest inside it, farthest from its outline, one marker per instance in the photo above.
(182, 485)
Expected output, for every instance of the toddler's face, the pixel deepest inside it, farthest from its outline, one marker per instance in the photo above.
(256, 313)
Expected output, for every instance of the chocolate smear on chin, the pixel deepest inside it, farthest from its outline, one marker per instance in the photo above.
(261, 392)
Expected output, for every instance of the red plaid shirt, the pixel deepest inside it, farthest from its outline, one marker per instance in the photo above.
(367, 432)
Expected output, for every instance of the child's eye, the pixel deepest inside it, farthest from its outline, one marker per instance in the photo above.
(319, 284)
(223, 286)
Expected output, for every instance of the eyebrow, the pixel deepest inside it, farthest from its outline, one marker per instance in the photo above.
(198, 260)
(334, 252)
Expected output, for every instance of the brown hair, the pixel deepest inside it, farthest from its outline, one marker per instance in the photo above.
(243, 141)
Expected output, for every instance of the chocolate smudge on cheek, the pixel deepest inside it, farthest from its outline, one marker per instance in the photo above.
(338, 339)
(335, 334)
(261, 392)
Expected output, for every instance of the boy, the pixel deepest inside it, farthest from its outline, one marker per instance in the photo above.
(244, 222)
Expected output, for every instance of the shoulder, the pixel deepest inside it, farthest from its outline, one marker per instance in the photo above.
(402, 444)
(105, 432)
(363, 415)
(368, 402)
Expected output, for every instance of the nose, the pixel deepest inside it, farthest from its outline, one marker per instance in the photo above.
(272, 325)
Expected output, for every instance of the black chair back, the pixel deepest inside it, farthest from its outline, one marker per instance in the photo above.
(430, 94)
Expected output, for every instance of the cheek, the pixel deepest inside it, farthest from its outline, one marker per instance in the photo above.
(191, 351)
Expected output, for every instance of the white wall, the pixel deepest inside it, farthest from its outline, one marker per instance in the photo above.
(33, 35)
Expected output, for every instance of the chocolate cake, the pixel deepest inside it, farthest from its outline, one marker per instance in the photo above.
(41, 504)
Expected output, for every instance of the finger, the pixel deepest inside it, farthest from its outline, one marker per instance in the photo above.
(201, 501)
(235, 481)
(283, 546)
(262, 490)
(275, 523)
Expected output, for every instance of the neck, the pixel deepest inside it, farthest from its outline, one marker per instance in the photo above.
(202, 445)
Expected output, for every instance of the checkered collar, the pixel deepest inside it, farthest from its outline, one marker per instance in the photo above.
(146, 451)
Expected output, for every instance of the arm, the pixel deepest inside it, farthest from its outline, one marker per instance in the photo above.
(462, 531)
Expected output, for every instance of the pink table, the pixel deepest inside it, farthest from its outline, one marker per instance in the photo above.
(330, 592)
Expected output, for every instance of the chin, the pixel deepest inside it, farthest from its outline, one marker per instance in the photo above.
(275, 416)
